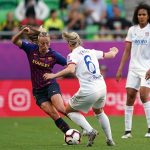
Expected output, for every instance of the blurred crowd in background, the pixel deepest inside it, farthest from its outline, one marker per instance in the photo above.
(92, 19)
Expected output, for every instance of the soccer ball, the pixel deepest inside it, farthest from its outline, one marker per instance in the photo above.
(72, 137)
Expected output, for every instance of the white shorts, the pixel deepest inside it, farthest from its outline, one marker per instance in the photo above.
(135, 80)
(84, 103)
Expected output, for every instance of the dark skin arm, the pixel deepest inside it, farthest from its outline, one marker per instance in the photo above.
(125, 57)
(147, 76)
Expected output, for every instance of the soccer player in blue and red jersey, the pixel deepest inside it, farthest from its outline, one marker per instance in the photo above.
(42, 60)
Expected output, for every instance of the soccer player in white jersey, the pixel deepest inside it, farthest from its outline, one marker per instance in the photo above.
(138, 46)
(92, 92)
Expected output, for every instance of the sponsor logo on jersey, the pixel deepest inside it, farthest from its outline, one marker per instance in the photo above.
(140, 42)
(39, 63)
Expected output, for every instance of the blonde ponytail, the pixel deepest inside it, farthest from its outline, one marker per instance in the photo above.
(72, 38)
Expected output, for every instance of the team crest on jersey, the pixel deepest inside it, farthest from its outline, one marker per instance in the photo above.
(50, 58)
(146, 33)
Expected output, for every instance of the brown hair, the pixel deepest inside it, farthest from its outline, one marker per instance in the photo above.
(36, 33)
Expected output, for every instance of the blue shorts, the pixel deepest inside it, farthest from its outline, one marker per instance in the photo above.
(44, 94)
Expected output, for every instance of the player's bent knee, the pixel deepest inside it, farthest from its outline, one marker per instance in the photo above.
(44, 106)
(98, 111)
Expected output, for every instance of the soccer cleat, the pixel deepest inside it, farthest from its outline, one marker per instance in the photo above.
(84, 132)
(110, 142)
(126, 136)
(147, 135)
(91, 137)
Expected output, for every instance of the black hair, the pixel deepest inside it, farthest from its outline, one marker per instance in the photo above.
(26, 2)
(52, 11)
(140, 6)
(30, 12)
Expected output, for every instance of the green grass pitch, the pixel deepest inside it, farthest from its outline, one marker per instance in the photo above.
(42, 134)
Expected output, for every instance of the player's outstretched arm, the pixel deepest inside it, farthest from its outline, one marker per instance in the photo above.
(112, 53)
(16, 38)
(70, 69)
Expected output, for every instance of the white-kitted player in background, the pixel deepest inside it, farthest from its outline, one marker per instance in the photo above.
(138, 46)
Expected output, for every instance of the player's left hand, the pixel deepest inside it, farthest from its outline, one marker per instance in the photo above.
(147, 76)
(47, 76)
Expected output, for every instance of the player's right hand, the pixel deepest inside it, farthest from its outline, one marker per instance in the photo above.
(118, 75)
(114, 50)
(26, 30)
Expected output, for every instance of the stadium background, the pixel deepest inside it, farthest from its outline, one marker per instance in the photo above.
(24, 126)
(15, 87)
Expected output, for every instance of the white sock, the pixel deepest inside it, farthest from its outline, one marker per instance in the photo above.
(147, 112)
(80, 120)
(128, 118)
(105, 124)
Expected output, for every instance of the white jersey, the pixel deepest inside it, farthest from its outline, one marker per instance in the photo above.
(140, 50)
(87, 70)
